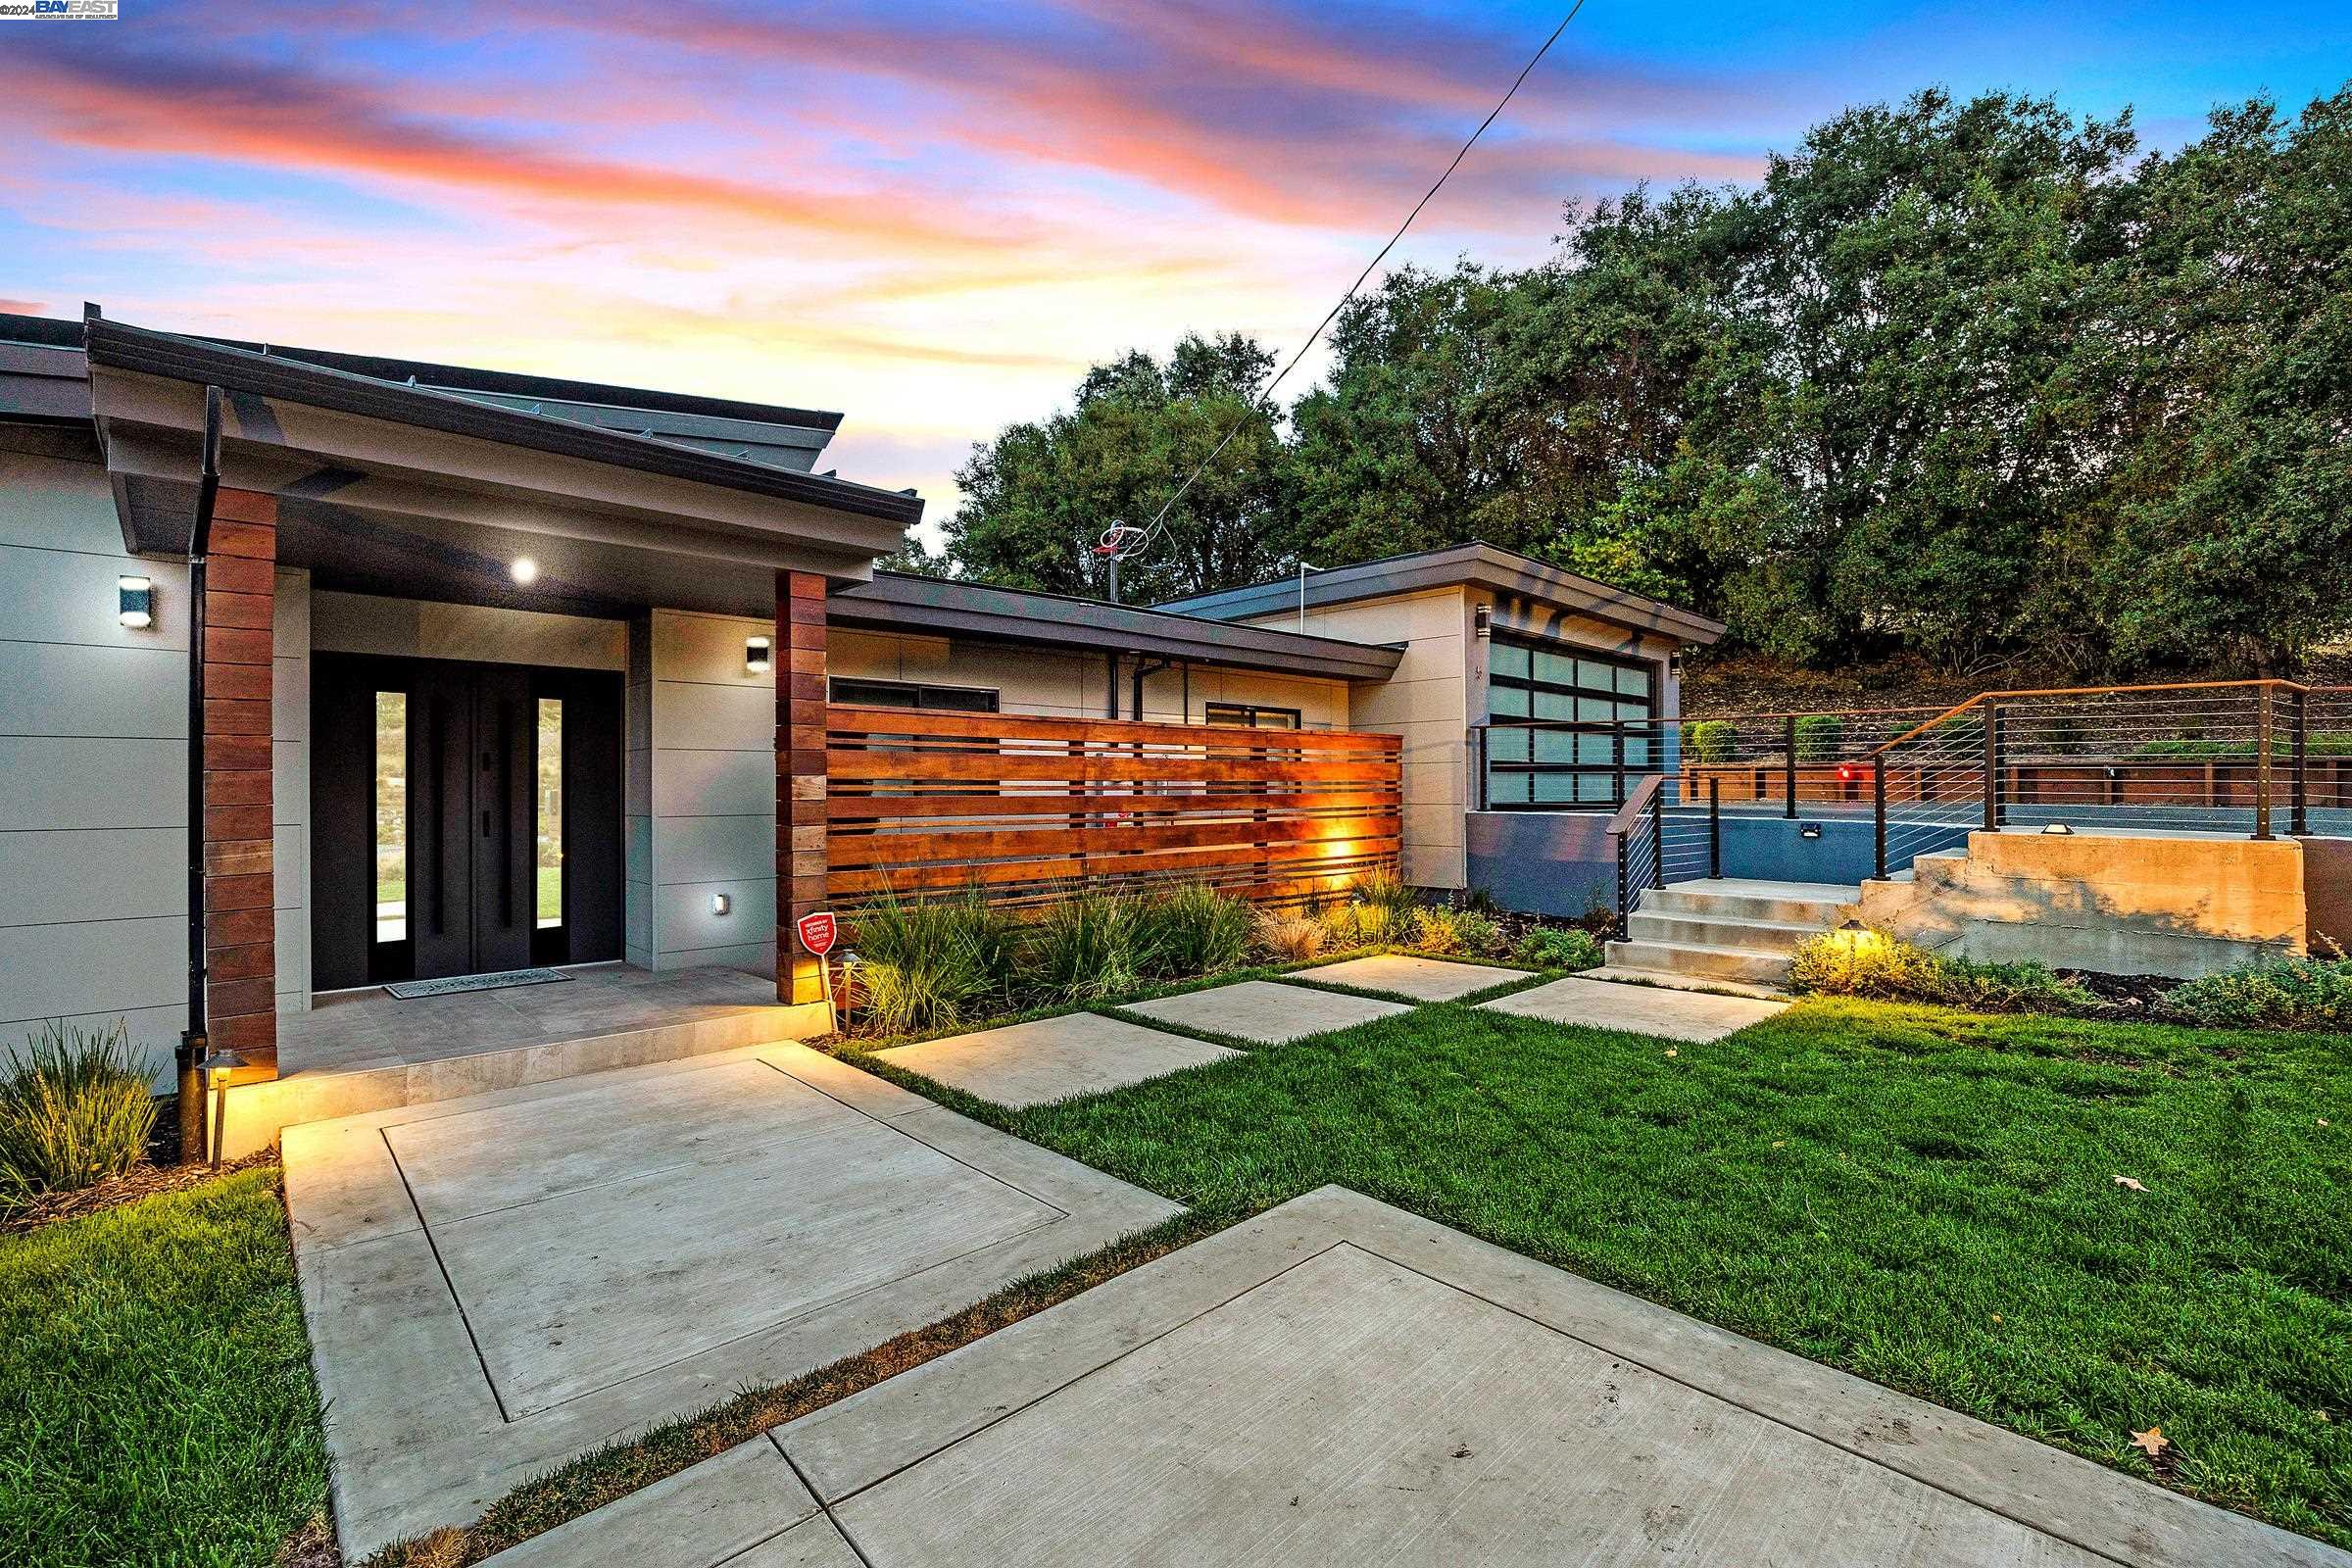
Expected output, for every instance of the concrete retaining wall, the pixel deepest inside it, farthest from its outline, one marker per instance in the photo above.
(2327, 888)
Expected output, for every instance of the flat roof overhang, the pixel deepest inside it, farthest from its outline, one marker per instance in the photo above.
(1476, 565)
(391, 489)
(941, 607)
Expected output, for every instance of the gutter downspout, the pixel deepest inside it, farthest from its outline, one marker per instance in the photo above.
(195, 1044)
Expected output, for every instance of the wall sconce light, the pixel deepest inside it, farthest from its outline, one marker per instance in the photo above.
(1811, 830)
(1481, 621)
(756, 655)
(523, 570)
(134, 599)
(720, 903)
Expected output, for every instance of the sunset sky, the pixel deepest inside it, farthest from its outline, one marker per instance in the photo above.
(934, 217)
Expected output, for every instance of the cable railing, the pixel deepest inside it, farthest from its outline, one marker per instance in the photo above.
(2256, 757)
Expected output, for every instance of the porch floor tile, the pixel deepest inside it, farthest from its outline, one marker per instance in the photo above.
(1053, 1059)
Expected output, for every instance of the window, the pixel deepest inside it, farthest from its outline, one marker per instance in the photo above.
(391, 808)
(1255, 716)
(1541, 699)
(910, 694)
(547, 858)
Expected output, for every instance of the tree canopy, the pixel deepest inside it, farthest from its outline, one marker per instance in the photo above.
(1975, 380)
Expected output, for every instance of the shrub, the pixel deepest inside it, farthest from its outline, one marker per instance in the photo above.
(1873, 966)
(1820, 737)
(1551, 947)
(1198, 930)
(1437, 930)
(920, 965)
(1386, 890)
(1092, 945)
(1368, 925)
(76, 1108)
(1481, 937)
(2314, 994)
(1710, 740)
(1292, 937)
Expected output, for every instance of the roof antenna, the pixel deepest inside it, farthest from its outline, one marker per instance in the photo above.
(1119, 541)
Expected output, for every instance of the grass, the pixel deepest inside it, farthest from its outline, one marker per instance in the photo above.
(158, 1406)
(1926, 1199)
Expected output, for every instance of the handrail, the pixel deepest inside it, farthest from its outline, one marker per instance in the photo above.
(1947, 714)
(1627, 815)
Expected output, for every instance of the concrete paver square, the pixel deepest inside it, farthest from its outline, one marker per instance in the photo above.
(1053, 1059)
(1408, 975)
(1695, 1015)
(496, 1285)
(1337, 1382)
(1266, 1012)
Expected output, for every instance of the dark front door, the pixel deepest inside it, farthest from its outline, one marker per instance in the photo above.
(465, 818)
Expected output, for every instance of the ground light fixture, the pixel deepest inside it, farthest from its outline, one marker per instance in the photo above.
(218, 1065)
(758, 655)
(134, 602)
(523, 570)
(2060, 829)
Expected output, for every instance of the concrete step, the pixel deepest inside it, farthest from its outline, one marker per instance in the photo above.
(1719, 931)
(1786, 902)
(1695, 960)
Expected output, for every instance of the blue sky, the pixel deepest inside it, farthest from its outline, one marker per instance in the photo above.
(935, 215)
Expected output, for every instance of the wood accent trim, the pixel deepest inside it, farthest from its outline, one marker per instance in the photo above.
(1030, 808)
(240, 887)
(801, 782)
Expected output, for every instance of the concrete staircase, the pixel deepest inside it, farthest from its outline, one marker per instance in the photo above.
(1727, 933)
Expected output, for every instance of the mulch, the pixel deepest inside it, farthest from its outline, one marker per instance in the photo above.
(140, 1181)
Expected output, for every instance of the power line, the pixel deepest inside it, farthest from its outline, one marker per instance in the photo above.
(1151, 530)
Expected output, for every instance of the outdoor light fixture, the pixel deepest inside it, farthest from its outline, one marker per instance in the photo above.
(1811, 830)
(1481, 621)
(525, 571)
(218, 1065)
(2059, 829)
(134, 599)
(756, 655)
(720, 903)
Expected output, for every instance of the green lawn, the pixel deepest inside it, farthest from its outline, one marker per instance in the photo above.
(1926, 1199)
(156, 1400)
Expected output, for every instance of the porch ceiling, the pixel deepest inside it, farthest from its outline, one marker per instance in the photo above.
(393, 489)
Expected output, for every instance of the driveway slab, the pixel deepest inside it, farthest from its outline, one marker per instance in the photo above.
(1427, 979)
(498, 1284)
(1338, 1382)
(1695, 1015)
(1053, 1059)
(1266, 1012)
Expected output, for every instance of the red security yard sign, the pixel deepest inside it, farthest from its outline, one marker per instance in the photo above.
(817, 931)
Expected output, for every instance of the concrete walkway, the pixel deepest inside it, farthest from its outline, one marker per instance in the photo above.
(1265, 1011)
(1410, 975)
(1670, 1014)
(1338, 1383)
(497, 1284)
(1053, 1059)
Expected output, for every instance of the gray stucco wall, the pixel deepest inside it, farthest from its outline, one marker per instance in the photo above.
(94, 768)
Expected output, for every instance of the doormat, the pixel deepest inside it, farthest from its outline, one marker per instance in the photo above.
(408, 990)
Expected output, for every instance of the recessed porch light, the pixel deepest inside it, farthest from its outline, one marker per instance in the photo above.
(525, 571)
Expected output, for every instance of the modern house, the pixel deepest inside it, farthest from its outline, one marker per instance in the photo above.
(489, 672)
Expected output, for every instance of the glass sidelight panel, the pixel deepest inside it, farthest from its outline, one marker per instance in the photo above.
(548, 861)
(391, 816)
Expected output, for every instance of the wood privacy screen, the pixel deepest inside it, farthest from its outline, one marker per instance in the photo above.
(920, 803)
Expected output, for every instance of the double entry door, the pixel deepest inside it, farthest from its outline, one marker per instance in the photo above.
(465, 818)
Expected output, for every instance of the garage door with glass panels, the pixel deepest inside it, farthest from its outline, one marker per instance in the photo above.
(1568, 728)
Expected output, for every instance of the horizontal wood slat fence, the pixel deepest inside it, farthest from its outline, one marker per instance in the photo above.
(1028, 810)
